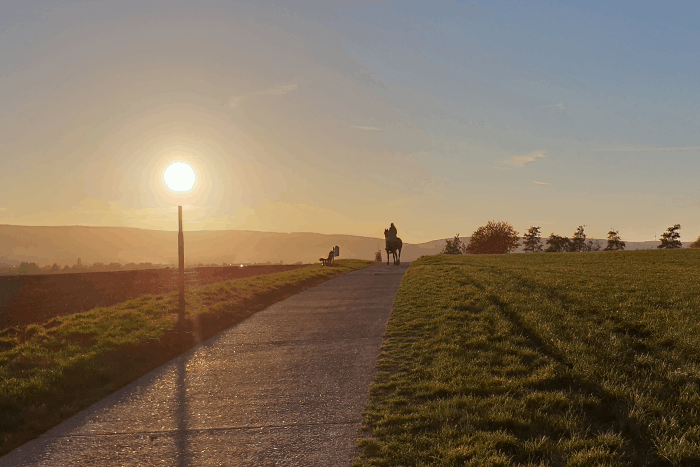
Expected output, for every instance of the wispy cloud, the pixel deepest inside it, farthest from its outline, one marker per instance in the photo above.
(235, 101)
(521, 161)
(4, 209)
(685, 202)
(558, 105)
(647, 148)
(366, 128)
(539, 183)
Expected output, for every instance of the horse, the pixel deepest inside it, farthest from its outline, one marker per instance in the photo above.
(393, 245)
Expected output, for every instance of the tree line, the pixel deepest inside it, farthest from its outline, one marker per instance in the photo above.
(55, 268)
(499, 237)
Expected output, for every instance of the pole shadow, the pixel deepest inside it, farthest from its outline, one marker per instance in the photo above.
(181, 435)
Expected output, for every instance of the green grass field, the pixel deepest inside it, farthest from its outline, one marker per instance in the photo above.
(587, 359)
(50, 372)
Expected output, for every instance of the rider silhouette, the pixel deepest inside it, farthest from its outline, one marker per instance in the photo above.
(392, 231)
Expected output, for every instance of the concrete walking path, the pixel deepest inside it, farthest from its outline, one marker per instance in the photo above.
(285, 387)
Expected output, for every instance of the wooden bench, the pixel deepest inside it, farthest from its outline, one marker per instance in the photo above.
(327, 261)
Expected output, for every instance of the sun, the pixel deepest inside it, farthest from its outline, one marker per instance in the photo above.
(179, 177)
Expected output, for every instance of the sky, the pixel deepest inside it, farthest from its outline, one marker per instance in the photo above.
(343, 116)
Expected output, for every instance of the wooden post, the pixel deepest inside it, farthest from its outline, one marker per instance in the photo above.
(181, 258)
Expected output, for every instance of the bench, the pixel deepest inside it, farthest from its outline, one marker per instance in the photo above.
(327, 261)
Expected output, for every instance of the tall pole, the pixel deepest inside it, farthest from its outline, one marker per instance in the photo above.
(181, 272)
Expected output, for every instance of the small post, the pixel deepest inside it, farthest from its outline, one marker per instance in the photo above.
(181, 272)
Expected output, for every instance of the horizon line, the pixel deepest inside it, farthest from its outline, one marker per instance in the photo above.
(543, 238)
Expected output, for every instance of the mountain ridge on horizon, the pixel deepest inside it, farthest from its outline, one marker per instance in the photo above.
(161, 230)
(65, 244)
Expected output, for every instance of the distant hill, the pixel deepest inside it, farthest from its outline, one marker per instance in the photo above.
(65, 244)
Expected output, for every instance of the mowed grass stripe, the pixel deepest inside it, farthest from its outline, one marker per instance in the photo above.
(50, 372)
(545, 359)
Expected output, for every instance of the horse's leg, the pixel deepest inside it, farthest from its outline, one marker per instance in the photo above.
(399, 255)
(387, 257)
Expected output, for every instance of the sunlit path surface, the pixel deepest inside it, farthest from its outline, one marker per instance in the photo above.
(285, 387)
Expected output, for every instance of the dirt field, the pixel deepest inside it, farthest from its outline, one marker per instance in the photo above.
(36, 299)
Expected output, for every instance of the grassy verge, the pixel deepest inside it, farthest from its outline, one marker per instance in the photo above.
(540, 360)
(50, 372)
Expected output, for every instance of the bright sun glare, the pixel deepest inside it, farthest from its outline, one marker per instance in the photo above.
(179, 177)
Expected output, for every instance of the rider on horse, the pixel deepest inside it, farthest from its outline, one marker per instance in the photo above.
(393, 244)
(392, 232)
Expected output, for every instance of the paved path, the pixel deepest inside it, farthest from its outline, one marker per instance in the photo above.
(285, 387)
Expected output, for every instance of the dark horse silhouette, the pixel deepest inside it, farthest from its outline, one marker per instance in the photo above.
(393, 246)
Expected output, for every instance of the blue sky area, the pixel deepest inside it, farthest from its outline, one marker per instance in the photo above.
(341, 117)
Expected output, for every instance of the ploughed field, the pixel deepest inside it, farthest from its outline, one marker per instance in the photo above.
(547, 359)
(35, 299)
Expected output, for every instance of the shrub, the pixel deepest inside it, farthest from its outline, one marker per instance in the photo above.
(29, 268)
(695, 244)
(493, 238)
(592, 245)
(454, 247)
(558, 244)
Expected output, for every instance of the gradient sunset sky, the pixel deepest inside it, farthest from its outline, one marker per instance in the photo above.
(342, 116)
